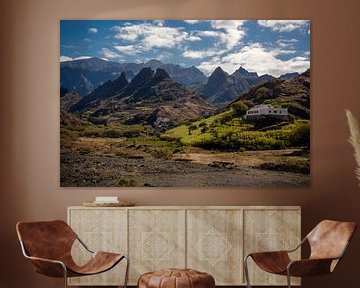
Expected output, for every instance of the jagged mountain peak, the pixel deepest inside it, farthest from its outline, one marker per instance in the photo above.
(145, 74)
(161, 74)
(104, 91)
(242, 72)
(219, 71)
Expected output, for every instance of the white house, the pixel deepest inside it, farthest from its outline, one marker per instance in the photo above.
(262, 110)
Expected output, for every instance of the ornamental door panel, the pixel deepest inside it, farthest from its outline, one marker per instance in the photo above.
(271, 230)
(101, 230)
(156, 240)
(214, 244)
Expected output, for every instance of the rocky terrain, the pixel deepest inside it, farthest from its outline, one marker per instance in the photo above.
(106, 170)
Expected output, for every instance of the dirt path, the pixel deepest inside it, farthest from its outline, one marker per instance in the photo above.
(193, 170)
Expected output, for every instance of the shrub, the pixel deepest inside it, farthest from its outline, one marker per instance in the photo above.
(192, 128)
(240, 108)
(161, 153)
(126, 183)
(300, 135)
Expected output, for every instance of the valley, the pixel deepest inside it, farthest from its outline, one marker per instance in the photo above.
(147, 129)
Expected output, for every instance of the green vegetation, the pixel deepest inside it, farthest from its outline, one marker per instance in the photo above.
(126, 183)
(240, 107)
(227, 131)
(72, 128)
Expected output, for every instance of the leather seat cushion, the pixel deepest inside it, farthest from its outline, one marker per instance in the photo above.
(176, 278)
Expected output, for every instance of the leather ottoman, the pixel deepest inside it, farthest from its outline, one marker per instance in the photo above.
(176, 278)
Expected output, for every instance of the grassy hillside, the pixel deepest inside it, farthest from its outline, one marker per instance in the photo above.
(227, 131)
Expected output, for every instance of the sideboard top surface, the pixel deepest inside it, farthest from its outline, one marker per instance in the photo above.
(193, 207)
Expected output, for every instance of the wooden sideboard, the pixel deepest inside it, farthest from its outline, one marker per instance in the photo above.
(212, 239)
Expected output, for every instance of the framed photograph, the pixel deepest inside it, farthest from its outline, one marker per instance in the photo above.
(185, 103)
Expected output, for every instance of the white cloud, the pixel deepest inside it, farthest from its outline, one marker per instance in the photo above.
(284, 51)
(159, 22)
(227, 34)
(69, 46)
(191, 21)
(67, 58)
(233, 31)
(207, 33)
(285, 46)
(127, 49)
(162, 40)
(255, 57)
(227, 24)
(164, 56)
(109, 54)
(284, 43)
(283, 25)
(198, 54)
(83, 57)
(144, 37)
(193, 38)
(93, 30)
(151, 36)
(209, 66)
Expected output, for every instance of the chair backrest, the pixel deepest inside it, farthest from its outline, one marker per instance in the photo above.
(329, 239)
(46, 239)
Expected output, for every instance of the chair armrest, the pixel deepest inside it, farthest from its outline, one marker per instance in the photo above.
(298, 246)
(48, 267)
(309, 267)
(280, 251)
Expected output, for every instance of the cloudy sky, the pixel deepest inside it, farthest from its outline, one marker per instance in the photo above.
(275, 47)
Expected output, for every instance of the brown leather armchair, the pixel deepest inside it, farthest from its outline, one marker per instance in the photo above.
(48, 245)
(328, 242)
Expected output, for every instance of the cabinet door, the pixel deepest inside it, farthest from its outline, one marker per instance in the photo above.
(156, 240)
(214, 244)
(271, 230)
(101, 230)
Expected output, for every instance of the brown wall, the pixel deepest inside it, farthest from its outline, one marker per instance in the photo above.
(29, 112)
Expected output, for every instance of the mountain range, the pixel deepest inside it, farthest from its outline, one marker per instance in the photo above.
(149, 98)
(222, 87)
(85, 75)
